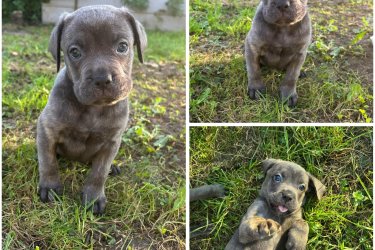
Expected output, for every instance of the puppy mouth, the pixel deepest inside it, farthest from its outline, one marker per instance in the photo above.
(105, 101)
(109, 101)
(99, 96)
(281, 209)
(285, 18)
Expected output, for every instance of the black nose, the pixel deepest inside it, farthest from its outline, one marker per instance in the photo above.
(283, 5)
(102, 81)
(287, 196)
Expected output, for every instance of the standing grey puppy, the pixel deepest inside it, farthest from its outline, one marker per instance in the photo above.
(279, 37)
(87, 110)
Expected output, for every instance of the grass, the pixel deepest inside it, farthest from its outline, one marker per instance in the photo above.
(146, 204)
(341, 157)
(338, 86)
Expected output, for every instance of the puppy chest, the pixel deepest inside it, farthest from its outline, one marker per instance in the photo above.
(77, 144)
(276, 57)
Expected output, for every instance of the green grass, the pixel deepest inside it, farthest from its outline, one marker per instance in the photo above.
(338, 86)
(341, 157)
(145, 204)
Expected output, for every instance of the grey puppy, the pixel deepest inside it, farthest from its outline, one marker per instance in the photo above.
(274, 220)
(87, 110)
(279, 37)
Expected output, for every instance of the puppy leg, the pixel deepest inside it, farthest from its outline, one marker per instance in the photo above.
(288, 88)
(256, 86)
(207, 191)
(93, 190)
(297, 236)
(257, 228)
(48, 167)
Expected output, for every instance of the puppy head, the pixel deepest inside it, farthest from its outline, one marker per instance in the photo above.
(98, 42)
(286, 185)
(284, 12)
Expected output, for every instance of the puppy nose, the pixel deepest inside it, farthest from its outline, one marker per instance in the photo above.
(287, 196)
(282, 5)
(102, 81)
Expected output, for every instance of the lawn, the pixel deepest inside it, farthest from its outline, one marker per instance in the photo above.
(341, 157)
(146, 203)
(338, 86)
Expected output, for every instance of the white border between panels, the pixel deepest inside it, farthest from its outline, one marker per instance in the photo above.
(231, 124)
(187, 128)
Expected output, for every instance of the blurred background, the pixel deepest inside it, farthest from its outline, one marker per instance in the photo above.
(166, 15)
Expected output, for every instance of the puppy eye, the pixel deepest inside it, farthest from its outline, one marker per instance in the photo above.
(122, 47)
(302, 187)
(277, 178)
(75, 53)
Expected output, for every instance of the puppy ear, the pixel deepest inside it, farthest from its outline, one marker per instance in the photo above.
(317, 186)
(140, 37)
(55, 40)
(268, 164)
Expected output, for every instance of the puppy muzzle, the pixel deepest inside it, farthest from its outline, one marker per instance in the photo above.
(283, 202)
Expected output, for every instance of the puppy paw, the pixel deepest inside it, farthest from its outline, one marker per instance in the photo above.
(302, 74)
(295, 244)
(297, 236)
(256, 90)
(48, 192)
(220, 191)
(95, 201)
(289, 96)
(265, 228)
(99, 206)
(115, 170)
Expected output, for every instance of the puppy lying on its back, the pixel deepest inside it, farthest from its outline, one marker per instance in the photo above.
(279, 37)
(274, 220)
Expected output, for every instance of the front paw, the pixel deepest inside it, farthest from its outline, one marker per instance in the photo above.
(289, 95)
(94, 200)
(115, 170)
(264, 228)
(295, 244)
(297, 236)
(256, 90)
(47, 190)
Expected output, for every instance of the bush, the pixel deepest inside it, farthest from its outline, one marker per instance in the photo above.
(32, 10)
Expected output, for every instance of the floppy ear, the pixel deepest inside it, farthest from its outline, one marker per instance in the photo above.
(55, 40)
(140, 37)
(268, 163)
(317, 186)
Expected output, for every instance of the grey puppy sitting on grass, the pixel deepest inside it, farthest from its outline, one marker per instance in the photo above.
(87, 110)
(274, 220)
(279, 38)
